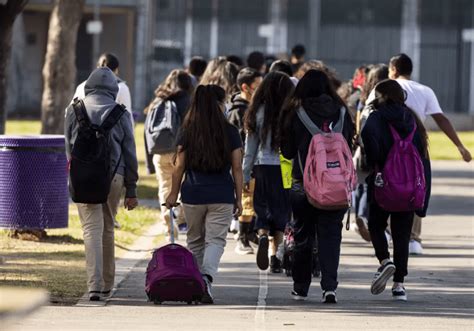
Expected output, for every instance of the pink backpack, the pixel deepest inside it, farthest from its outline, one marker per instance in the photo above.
(329, 176)
(401, 185)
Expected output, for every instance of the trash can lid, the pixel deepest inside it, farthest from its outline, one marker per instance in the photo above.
(45, 140)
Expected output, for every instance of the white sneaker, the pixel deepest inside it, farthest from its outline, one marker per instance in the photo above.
(415, 248)
(398, 292)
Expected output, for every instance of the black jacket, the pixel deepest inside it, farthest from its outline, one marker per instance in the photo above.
(236, 113)
(378, 141)
(322, 111)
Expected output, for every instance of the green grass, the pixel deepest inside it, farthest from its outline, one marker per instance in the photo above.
(56, 263)
(441, 148)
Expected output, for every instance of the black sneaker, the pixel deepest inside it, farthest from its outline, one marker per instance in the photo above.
(207, 296)
(94, 296)
(106, 294)
(297, 296)
(262, 253)
(275, 265)
(399, 293)
(383, 274)
(329, 297)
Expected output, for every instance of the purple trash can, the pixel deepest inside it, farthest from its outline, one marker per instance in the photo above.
(33, 182)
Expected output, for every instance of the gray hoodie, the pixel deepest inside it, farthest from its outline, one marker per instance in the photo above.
(101, 90)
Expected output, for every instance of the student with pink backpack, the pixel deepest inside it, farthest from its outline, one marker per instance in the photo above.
(316, 132)
(399, 183)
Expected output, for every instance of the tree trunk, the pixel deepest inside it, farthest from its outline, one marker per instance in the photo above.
(59, 71)
(8, 13)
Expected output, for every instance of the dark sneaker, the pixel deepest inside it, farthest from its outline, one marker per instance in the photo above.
(383, 274)
(242, 247)
(362, 228)
(252, 237)
(399, 293)
(106, 294)
(207, 296)
(182, 228)
(329, 297)
(94, 296)
(298, 296)
(262, 253)
(275, 265)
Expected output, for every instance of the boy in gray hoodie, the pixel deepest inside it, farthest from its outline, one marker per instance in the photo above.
(98, 219)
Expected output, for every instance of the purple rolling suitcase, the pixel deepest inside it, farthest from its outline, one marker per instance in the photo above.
(173, 274)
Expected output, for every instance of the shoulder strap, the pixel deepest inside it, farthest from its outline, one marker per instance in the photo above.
(113, 117)
(307, 122)
(340, 123)
(81, 113)
(313, 128)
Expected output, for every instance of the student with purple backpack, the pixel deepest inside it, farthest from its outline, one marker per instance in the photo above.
(315, 105)
(399, 183)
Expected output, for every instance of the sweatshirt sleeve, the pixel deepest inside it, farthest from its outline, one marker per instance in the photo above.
(371, 144)
(251, 148)
(68, 124)
(130, 158)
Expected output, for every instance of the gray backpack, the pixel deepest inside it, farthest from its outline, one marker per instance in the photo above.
(161, 127)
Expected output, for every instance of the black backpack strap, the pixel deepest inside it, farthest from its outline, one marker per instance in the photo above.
(113, 117)
(81, 113)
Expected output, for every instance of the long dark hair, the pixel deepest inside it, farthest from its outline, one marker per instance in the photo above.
(177, 81)
(389, 92)
(204, 132)
(313, 84)
(272, 93)
(378, 73)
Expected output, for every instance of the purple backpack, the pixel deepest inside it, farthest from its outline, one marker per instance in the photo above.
(402, 185)
(173, 274)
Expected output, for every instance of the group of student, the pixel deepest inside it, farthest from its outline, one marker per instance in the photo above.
(236, 124)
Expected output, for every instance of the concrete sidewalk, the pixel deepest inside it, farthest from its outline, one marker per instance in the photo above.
(440, 285)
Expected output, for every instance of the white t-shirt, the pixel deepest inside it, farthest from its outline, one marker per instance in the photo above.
(123, 96)
(420, 98)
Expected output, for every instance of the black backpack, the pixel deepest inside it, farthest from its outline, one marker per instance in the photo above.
(89, 175)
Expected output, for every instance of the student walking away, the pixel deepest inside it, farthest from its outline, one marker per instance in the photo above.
(284, 66)
(422, 100)
(165, 114)
(262, 160)
(316, 105)
(376, 74)
(123, 96)
(209, 155)
(248, 81)
(256, 60)
(399, 183)
(222, 73)
(298, 53)
(196, 69)
(100, 148)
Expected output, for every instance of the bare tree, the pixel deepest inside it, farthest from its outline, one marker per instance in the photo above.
(8, 13)
(59, 71)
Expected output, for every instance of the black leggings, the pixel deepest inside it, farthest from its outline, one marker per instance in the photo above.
(400, 224)
(309, 223)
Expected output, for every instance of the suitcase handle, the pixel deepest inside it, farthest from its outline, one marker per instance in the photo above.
(171, 223)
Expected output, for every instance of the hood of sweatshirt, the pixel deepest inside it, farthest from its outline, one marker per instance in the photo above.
(323, 106)
(399, 116)
(101, 90)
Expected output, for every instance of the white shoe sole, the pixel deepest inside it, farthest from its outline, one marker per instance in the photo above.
(399, 298)
(238, 251)
(378, 286)
(298, 298)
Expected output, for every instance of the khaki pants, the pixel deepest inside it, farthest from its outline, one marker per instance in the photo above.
(164, 172)
(416, 229)
(97, 222)
(207, 232)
